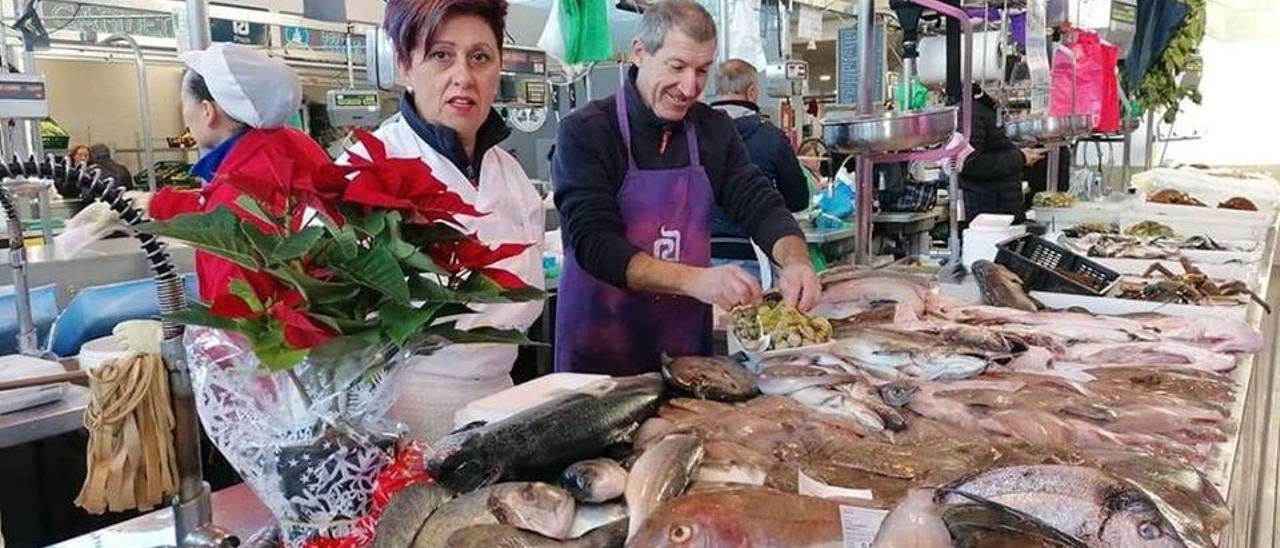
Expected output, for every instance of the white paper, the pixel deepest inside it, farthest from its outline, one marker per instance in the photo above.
(814, 488)
(860, 525)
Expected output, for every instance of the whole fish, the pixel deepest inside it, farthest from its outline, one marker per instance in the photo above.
(865, 291)
(1085, 503)
(782, 380)
(1001, 287)
(1150, 354)
(742, 517)
(613, 535)
(916, 522)
(595, 480)
(986, 524)
(1218, 334)
(571, 427)
(661, 473)
(711, 378)
(406, 512)
(839, 403)
(544, 509)
(590, 517)
(916, 354)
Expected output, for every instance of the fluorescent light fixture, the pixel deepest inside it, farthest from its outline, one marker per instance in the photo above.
(824, 77)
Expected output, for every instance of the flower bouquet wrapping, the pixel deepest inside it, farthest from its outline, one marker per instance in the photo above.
(319, 280)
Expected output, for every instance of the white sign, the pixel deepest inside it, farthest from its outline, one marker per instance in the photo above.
(860, 525)
(810, 24)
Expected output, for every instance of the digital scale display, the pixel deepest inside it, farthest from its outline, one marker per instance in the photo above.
(355, 100)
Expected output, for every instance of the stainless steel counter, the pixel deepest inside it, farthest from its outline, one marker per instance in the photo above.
(45, 421)
(102, 262)
(235, 508)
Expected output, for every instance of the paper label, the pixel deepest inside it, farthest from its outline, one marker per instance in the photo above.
(860, 525)
(814, 488)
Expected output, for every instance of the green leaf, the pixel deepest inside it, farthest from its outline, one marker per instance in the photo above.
(481, 335)
(198, 314)
(480, 284)
(242, 289)
(524, 294)
(372, 223)
(252, 207)
(297, 244)
(410, 256)
(346, 345)
(454, 309)
(217, 232)
(263, 244)
(379, 271)
(315, 290)
(348, 243)
(279, 357)
(402, 322)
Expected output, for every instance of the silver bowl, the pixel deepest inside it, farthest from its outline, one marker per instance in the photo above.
(855, 133)
(1049, 129)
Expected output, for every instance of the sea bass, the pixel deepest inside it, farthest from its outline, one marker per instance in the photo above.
(544, 509)
(1085, 503)
(661, 473)
(1001, 287)
(595, 480)
(569, 428)
(406, 512)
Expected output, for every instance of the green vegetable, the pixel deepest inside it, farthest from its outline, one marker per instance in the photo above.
(1160, 87)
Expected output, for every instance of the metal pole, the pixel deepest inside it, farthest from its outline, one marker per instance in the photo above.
(1151, 140)
(28, 341)
(866, 43)
(1051, 162)
(46, 216)
(351, 64)
(144, 105)
(1126, 143)
(866, 210)
(198, 24)
(954, 207)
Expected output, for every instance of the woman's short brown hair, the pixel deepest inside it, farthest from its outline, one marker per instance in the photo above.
(411, 23)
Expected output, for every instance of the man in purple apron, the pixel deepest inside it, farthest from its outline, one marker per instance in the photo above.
(636, 176)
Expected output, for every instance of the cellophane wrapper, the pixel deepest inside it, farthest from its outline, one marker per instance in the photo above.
(309, 441)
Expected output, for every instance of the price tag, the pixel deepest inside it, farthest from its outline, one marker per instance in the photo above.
(860, 525)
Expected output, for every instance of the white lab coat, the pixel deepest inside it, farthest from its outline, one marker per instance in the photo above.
(434, 387)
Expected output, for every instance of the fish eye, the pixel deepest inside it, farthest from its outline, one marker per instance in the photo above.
(681, 533)
(1149, 531)
(526, 494)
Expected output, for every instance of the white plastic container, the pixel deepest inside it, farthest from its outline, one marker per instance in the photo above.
(521, 397)
(1222, 272)
(16, 367)
(1218, 228)
(1111, 305)
(1058, 219)
(99, 351)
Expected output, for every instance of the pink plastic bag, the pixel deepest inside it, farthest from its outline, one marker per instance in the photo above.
(1078, 77)
(1109, 116)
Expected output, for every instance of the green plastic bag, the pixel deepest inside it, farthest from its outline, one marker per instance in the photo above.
(913, 96)
(587, 36)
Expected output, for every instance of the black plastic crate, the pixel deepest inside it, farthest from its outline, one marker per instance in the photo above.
(1041, 263)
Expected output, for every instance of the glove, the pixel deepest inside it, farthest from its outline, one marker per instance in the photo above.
(139, 336)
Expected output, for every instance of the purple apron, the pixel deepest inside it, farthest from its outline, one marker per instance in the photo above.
(603, 329)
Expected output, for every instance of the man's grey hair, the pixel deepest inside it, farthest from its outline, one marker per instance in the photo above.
(735, 77)
(690, 17)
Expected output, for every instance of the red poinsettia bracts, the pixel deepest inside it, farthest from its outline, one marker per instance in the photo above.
(469, 254)
(283, 304)
(402, 184)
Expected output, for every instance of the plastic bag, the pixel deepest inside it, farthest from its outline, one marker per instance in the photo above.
(838, 201)
(1109, 114)
(1077, 79)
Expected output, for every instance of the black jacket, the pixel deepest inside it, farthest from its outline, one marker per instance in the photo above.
(591, 160)
(992, 174)
(444, 140)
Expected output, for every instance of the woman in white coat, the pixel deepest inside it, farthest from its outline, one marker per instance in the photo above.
(449, 54)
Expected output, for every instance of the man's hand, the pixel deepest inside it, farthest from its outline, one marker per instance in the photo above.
(1032, 155)
(800, 286)
(724, 286)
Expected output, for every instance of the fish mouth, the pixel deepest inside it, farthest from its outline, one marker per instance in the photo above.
(897, 394)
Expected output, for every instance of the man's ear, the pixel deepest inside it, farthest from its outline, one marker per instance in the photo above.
(637, 50)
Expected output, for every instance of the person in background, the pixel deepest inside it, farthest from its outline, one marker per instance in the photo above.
(737, 83)
(449, 54)
(992, 175)
(79, 154)
(636, 175)
(237, 102)
(100, 157)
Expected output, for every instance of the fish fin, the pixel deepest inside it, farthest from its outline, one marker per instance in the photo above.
(1019, 520)
(469, 426)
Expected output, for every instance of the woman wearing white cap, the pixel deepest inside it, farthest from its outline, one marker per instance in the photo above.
(236, 102)
(449, 55)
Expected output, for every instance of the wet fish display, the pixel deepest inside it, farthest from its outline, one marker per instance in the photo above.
(849, 292)
(1001, 287)
(537, 507)
(572, 427)
(711, 378)
(888, 353)
(406, 512)
(594, 480)
(613, 535)
(661, 473)
(742, 517)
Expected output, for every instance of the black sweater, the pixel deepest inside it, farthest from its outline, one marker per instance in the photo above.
(591, 160)
(995, 166)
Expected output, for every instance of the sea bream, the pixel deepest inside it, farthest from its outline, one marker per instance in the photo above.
(538, 507)
(574, 426)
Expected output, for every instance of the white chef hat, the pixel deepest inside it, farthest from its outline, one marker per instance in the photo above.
(255, 89)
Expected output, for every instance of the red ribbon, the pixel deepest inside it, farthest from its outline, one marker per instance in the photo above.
(405, 470)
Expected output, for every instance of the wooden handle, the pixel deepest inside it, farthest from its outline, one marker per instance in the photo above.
(43, 380)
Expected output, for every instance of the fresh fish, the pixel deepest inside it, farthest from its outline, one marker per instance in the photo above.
(781, 380)
(986, 524)
(711, 378)
(544, 509)
(595, 480)
(916, 354)
(1001, 287)
(850, 296)
(1150, 354)
(572, 427)
(1218, 334)
(612, 535)
(406, 512)
(916, 522)
(729, 473)
(590, 517)
(742, 517)
(661, 473)
(808, 357)
(1085, 503)
(839, 403)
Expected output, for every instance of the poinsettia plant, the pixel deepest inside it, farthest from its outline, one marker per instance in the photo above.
(338, 255)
